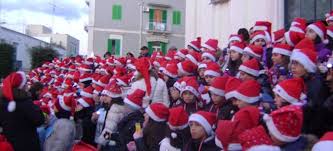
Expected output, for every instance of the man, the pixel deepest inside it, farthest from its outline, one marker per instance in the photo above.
(144, 52)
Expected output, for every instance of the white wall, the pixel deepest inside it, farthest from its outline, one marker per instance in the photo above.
(221, 20)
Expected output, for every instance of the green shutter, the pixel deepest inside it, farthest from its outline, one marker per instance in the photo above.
(163, 47)
(117, 47)
(116, 12)
(176, 17)
(164, 16)
(179, 18)
(110, 45)
(151, 19)
(150, 47)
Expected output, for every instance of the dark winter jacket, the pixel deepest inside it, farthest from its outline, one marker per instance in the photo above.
(83, 117)
(227, 111)
(20, 126)
(126, 128)
(298, 145)
(207, 145)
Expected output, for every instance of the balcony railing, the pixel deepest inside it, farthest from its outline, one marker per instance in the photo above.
(154, 26)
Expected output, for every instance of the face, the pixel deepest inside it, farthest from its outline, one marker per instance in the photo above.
(234, 55)
(277, 58)
(245, 57)
(209, 79)
(146, 119)
(310, 34)
(106, 99)
(206, 59)
(165, 77)
(96, 98)
(279, 101)
(245, 77)
(197, 131)
(241, 104)
(329, 79)
(188, 97)
(232, 42)
(297, 69)
(201, 72)
(145, 51)
(81, 85)
(259, 42)
(205, 49)
(174, 93)
(78, 107)
(330, 23)
(217, 99)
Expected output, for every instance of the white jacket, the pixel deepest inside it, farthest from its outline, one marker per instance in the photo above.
(166, 146)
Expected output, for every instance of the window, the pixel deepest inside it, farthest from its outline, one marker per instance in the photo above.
(157, 46)
(114, 46)
(116, 12)
(157, 19)
(311, 10)
(176, 17)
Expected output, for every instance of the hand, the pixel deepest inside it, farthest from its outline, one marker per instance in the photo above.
(94, 117)
(131, 146)
(138, 134)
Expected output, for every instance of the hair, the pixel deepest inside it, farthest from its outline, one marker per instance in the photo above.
(330, 43)
(317, 40)
(63, 114)
(181, 139)
(154, 132)
(245, 33)
(285, 61)
(144, 48)
(107, 54)
(34, 89)
(233, 66)
(131, 54)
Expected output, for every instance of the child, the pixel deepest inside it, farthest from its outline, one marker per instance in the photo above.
(249, 70)
(201, 74)
(325, 143)
(175, 93)
(284, 126)
(329, 18)
(289, 92)
(210, 45)
(212, 71)
(280, 58)
(154, 128)
(202, 133)
(235, 60)
(190, 95)
(208, 56)
(179, 130)
(252, 51)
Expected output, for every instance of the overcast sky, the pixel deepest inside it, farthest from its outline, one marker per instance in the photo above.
(70, 16)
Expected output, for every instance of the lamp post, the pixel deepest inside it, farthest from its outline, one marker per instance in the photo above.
(141, 4)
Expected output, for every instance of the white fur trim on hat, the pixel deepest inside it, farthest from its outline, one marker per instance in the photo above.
(100, 83)
(210, 56)
(249, 50)
(288, 40)
(258, 37)
(152, 115)
(208, 47)
(237, 49)
(244, 98)
(85, 94)
(216, 91)
(131, 104)
(170, 74)
(203, 122)
(192, 59)
(96, 92)
(229, 95)
(281, 92)
(330, 33)
(84, 69)
(202, 65)
(131, 66)
(256, 28)
(234, 38)
(178, 127)
(62, 103)
(275, 132)
(323, 146)
(24, 79)
(212, 73)
(83, 102)
(180, 68)
(264, 148)
(296, 29)
(85, 79)
(191, 89)
(282, 51)
(110, 94)
(180, 54)
(297, 55)
(121, 82)
(249, 70)
(317, 30)
(195, 47)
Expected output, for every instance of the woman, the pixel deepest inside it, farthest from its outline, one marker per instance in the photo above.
(19, 117)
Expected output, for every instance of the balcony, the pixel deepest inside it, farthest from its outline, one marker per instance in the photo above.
(158, 27)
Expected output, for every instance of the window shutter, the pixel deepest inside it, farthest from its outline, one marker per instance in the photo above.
(150, 47)
(164, 16)
(151, 18)
(110, 45)
(163, 47)
(117, 47)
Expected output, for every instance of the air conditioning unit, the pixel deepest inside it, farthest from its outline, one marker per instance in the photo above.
(215, 2)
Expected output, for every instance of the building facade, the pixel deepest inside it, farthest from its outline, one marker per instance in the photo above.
(121, 26)
(23, 43)
(220, 18)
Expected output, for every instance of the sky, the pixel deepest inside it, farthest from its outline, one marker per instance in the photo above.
(69, 17)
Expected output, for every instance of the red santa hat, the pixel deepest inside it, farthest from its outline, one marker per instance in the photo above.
(95, 77)
(278, 35)
(330, 31)
(209, 54)
(285, 124)
(85, 77)
(119, 71)
(121, 62)
(182, 53)
(238, 47)
(194, 57)
(256, 139)
(124, 80)
(158, 112)
(85, 68)
(110, 61)
(205, 119)
(134, 100)
(213, 69)
(250, 67)
(248, 91)
(12, 81)
(196, 44)
(299, 21)
(226, 135)
(211, 44)
(230, 86)
(235, 37)
(218, 85)
(112, 90)
(283, 49)
(103, 81)
(320, 29)
(298, 28)
(89, 61)
(258, 35)
(178, 118)
(325, 143)
(98, 89)
(329, 16)
(249, 117)
(292, 37)
(87, 92)
(186, 67)
(72, 68)
(264, 26)
(190, 84)
(178, 85)
(305, 54)
(65, 103)
(202, 66)
(86, 102)
(143, 66)
(170, 55)
(171, 70)
(291, 90)
(254, 51)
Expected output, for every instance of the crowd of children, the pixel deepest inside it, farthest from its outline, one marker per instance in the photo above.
(266, 91)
